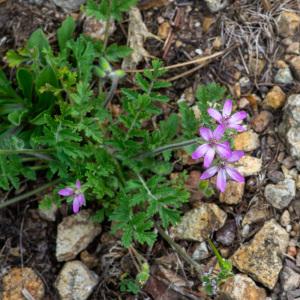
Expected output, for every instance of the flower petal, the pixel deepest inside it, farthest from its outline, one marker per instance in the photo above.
(200, 151)
(234, 174)
(235, 156)
(215, 114)
(227, 108)
(218, 132)
(224, 150)
(76, 205)
(206, 133)
(78, 184)
(66, 192)
(221, 180)
(209, 157)
(237, 127)
(240, 115)
(81, 199)
(209, 172)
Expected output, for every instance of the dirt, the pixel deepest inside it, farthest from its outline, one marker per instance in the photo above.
(241, 31)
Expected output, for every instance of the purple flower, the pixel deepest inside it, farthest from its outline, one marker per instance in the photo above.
(223, 170)
(226, 120)
(78, 200)
(209, 149)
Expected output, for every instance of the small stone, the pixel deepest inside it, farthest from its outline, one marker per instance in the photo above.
(275, 176)
(243, 103)
(257, 213)
(275, 98)
(207, 22)
(74, 234)
(290, 127)
(245, 84)
(241, 287)
(281, 194)
(18, 280)
(289, 279)
(163, 30)
(256, 66)
(48, 214)
(249, 165)
(69, 5)
(284, 76)
(285, 218)
(295, 66)
(261, 258)
(96, 28)
(233, 194)
(262, 121)
(201, 252)
(246, 141)
(226, 234)
(292, 251)
(199, 223)
(76, 279)
(217, 43)
(216, 5)
(90, 260)
(288, 23)
(293, 48)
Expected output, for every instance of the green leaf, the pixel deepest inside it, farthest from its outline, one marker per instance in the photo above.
(39, 41)
(14, 59)
(115, 52)
(25, 82)
(5, 87)
(16, 116)
(190, 124)
(65, 32)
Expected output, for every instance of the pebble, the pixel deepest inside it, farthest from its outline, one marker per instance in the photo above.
(295, 66)
(201, 252)
(163, 30)
(18, 280)
(281, 194)
(284, 76)
(289, 279)
(241, 287)
(257, 213)
(249, 165)
(261, 121)
(233, 194)
(227, 233)
(199, 223)
(293, 48)
(261, 258)
(76, 279)
(74, 234)
(69, 5)
(275, 98)
(48, 214)
(216, 5)
(246, 141)
(285, 218)
(292, 251)
(288, 23)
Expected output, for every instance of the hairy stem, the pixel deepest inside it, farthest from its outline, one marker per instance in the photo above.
(181, 252)
(28, 194)
(169, 147)
(112, 90)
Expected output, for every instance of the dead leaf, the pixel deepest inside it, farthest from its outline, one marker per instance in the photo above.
(137, 34)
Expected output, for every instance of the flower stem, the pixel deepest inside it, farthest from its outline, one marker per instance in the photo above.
(169, 147)
(28, 194)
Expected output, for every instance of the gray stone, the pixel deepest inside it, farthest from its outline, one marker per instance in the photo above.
(216, 5)
(201, 252)
(284, 76)
(75, 281)
(262, 257)
(49, 214)
(289, 279)
(69, 5)
(74, 234)
(281, 194)
(290, 126)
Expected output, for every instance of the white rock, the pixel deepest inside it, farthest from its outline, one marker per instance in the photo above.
(76, 281)
(246, 141)
(249, 165)
(216, 5)
(69, 5)
(281, 194)
(285, 218)
(201, 252)
(74, 234)
(284, 76)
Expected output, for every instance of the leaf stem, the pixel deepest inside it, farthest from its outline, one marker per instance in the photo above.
(28, 194)
(169, 147)
(179, 250)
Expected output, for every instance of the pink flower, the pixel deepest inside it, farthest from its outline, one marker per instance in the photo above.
(209, 149)
(78, 200)
(223, 170)
(226, 120)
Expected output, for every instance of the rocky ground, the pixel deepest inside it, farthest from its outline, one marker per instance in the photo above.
(255, 225)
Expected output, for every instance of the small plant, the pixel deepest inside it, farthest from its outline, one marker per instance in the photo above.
(212, 280)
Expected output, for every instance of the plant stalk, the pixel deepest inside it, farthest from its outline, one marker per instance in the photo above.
(28, 194)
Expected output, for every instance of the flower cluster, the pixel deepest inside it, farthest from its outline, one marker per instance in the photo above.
(214, 145)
